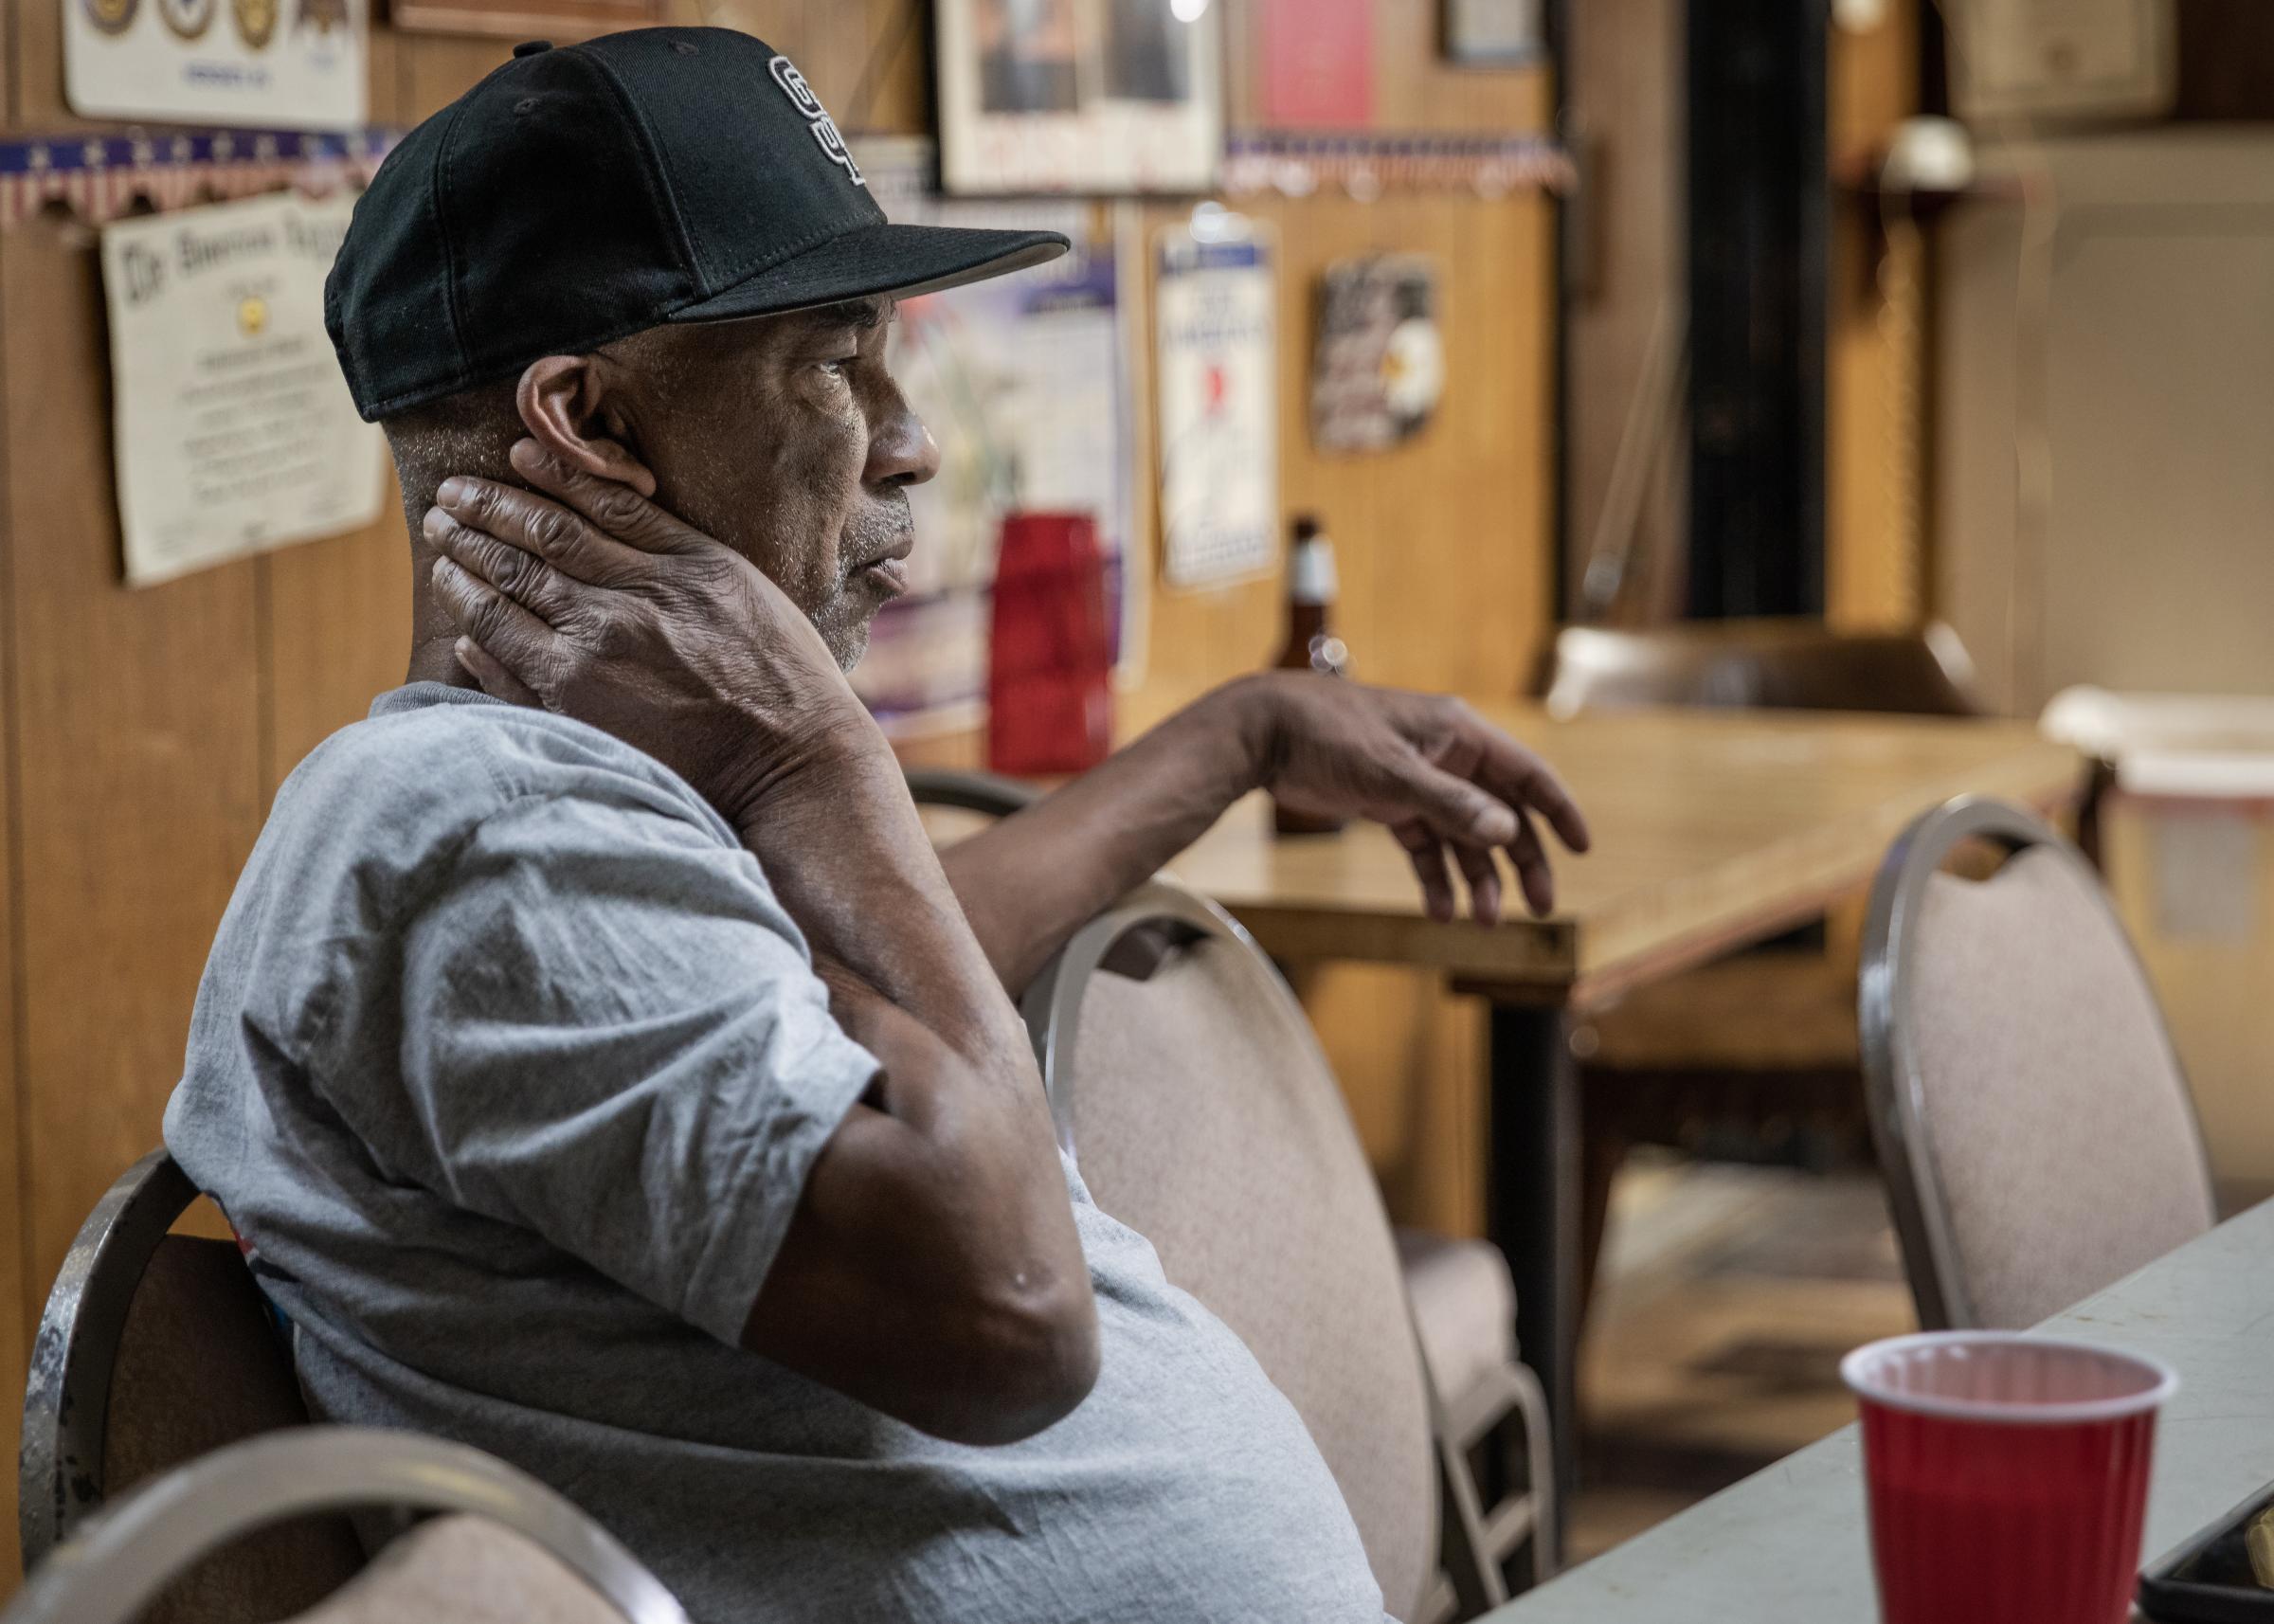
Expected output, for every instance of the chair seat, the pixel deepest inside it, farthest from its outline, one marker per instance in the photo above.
(1765, 1011)
(1464, 1308)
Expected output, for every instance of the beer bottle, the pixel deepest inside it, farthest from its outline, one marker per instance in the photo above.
(1312, 644)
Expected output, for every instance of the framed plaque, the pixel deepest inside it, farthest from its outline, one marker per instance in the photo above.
(292, 65)
(556, 20)
(2062, 59)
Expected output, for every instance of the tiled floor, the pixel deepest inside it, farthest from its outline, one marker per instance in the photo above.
(1713, 1346)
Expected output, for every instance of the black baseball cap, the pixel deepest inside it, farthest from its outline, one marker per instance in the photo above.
(582, 193)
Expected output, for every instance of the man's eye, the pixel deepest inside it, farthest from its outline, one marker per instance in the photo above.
(836, 369)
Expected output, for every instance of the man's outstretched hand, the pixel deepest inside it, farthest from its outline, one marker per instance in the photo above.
(1449, 785)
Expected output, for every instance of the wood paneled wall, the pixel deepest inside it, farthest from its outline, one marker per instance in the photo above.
(1876, 343)
(143, 732)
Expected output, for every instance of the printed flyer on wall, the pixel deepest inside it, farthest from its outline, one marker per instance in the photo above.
(1214, 308)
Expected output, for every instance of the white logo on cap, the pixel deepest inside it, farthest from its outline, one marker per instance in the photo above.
(817, 117)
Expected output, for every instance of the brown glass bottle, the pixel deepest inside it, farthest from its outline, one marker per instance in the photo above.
(1312, 644)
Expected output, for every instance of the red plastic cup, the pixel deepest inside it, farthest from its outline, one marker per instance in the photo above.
(1050, 661)
(2008, 1475)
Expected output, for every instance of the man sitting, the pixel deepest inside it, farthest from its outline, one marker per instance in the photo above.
(596, 1061)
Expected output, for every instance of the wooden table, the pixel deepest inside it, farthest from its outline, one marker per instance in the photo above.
(1788, 1545)
(1712, 830)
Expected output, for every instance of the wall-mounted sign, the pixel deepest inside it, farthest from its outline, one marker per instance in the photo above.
(232, 429)
(1379, 365)
(1093, 96)
(559, 21)
(292, 63)
(1215, 319)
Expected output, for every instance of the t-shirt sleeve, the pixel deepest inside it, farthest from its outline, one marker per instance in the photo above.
(613, 1035)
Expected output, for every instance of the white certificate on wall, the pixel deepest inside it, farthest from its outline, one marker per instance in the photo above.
(1215, 320)
(232, 428)
(278, 63)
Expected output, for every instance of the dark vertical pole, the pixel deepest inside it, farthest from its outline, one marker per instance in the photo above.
(1757, 273)
(1533, 1212)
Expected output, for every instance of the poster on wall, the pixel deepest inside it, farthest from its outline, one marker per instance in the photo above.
(1377, 368)
(1020, 380)
(232, 429)
(259, 63)
(1215, 318)
(1088, 95)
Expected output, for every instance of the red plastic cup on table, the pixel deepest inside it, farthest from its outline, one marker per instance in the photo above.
(2007, 1476)
(1050, 663)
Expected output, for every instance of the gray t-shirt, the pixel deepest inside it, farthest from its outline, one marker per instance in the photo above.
(509, 1069)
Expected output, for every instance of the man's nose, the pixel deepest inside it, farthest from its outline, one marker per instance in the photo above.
(901, 452)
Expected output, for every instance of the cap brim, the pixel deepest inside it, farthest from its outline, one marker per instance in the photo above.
(871, 261)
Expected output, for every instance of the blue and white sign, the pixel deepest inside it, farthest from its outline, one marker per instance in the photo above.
(1215, 323)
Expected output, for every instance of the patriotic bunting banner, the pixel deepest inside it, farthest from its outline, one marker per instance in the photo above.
(1367, 165)
(99, 176)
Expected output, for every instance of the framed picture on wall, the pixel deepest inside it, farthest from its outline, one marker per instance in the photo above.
(1081, 96)
(555, 20)
(1493, 34)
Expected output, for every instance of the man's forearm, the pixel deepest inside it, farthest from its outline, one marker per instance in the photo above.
(1030, 881)
(849, 859)
(933, 1263)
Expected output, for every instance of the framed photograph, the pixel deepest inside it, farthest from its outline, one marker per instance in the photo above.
(1493, 34)
(1081, 96)
(557, 20)
(2078, 60)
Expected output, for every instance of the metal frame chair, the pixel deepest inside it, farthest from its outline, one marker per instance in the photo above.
(60, 1467)
(983, 792)
(1896, 1093)
(118, 1561)
(1475, 1538)
(1471, 1540)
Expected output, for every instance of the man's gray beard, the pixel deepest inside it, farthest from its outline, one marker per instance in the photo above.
(847, 640)
(844, 620)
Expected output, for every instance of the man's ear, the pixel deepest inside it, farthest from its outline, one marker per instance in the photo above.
(564, 402)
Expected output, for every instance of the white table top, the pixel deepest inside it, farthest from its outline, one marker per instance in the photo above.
(1788, 1545)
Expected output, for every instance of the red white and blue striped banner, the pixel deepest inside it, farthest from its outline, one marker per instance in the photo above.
(99, 176)
(1366, 164)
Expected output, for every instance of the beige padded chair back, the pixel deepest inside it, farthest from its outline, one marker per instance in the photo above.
(463, 1569)
(154, 1349)
(2034, 1128)
(508, 1550)
(1205, 1117)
